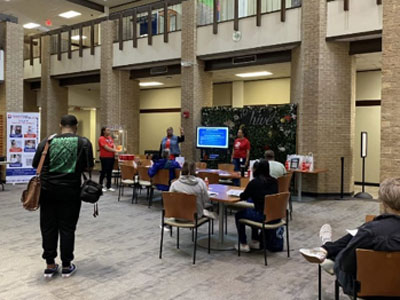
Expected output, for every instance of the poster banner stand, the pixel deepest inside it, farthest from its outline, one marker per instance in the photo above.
(23, 134)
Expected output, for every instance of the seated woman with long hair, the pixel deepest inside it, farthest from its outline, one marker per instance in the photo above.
(262, 184)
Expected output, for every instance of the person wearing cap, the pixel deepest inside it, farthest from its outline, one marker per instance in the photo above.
(69, 155)
(171, 142)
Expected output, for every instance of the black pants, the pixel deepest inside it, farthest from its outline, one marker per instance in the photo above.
(59, 213)
(107, 166)
(333, 248)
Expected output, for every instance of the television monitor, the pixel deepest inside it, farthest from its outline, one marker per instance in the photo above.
(212, 137)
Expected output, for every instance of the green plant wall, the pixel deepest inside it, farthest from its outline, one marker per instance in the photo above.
(268, 127)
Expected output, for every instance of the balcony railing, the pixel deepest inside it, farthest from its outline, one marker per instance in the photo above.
(217, 11)
(346, 4)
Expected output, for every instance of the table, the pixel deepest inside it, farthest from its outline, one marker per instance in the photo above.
(299, 174)
(223, 174)
(222, 198)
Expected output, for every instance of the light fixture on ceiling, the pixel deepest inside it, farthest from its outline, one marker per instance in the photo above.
(70, 14)
(150, 83)
(254, 74)
(31, 25)
(76, 37)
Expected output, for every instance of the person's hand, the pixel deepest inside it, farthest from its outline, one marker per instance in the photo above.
(182, 132)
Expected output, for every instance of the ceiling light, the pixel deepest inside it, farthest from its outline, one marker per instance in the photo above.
(254, 74)
(152, 83)
(70, 14)
(31, 25)
(76, 37)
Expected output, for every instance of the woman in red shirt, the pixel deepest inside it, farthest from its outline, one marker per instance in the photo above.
(241, 152)
(107, 157)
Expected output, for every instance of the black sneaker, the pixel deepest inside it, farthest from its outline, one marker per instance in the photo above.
(67, 272)
(50, 272)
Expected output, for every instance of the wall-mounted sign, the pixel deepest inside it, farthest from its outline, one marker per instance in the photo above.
(2, 65)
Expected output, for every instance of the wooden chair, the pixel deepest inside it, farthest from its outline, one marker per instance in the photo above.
(116, 172)
(144, 181)
(127, 178)
(226, 167)
(201, 165)
(142, 156)
(284, 186)
(162, 177)
(275, 208)
(213, 178)
(145, 162)
(377, 275)
(180, 206)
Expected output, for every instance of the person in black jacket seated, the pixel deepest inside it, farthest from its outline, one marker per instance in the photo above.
(381, 234)
(262, 184)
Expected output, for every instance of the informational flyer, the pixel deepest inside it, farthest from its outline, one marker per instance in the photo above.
(23, 133)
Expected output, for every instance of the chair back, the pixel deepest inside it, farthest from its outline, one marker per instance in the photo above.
(141, 156)
(284, 182)
(378, 273)
(201, 165)
(179, 205)
(116, 165)
(127, 162)
(161, 177)
(127, 172)
(369, 218)
(275, 206)
(143, 173)
(226, 167)
(213, 178)
(145, 162)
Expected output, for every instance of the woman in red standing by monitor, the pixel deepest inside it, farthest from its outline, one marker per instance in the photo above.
(240, 153)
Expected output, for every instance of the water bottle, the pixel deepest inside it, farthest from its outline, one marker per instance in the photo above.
(242, 167)
(206, 181)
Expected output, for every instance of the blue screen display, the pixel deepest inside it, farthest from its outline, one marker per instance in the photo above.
(212, 137)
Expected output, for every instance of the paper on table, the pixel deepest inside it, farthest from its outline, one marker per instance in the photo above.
(235, 193)
(353, 232)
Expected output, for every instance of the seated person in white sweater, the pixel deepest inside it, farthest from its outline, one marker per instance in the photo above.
(276, 169)
(188, 183)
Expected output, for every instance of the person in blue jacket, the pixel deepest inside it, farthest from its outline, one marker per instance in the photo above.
(164, 163)
(172, 141)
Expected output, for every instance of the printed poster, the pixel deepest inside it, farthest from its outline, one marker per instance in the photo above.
(23, 133)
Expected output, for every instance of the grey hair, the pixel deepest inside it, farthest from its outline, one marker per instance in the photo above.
(389, 193)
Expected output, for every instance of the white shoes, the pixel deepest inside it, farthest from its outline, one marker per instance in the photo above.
(104, 190)
(325, 233)
(111, 190)
(254, 245)
(314, 255)
(243, 247)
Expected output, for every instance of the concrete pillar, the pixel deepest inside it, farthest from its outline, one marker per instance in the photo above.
(390, 109)
(11, 90)
(53, 97)
(119, 96)
(323, 85)
(238, 94)
(196, 84)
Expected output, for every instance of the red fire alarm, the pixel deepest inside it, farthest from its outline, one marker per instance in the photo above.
(186, 114)
(49, 23)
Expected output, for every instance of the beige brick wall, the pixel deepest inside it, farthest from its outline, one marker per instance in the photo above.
(323, 81)
(119, 96)
(11, 90)
(196, 84)
(390, 110)
(53, 98)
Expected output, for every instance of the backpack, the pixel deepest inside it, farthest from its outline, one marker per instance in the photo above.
(274, 239)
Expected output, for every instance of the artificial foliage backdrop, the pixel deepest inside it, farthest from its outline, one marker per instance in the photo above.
(268, 127)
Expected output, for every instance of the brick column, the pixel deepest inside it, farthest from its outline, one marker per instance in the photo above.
(196, 84)
(323, 85)
(119, 96)
(390, 109)
(11, 90)
(53, 97)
